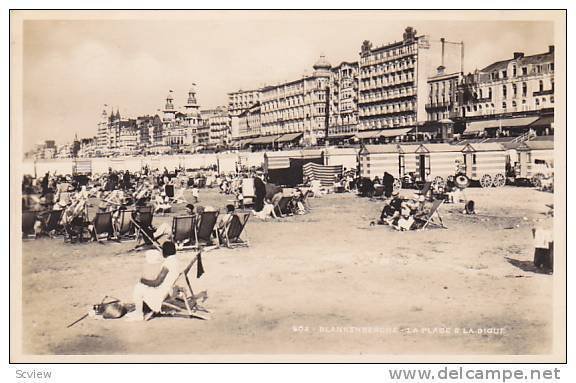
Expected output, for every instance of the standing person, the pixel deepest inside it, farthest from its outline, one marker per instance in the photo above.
(127, 182)
(195, 192)
(388, 181)
(259, 194)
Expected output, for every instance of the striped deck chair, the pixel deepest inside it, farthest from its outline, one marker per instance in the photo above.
(102, 224)
(184, 231)
(28, 221)
(205, 227)
(432, 217)
(231, 232)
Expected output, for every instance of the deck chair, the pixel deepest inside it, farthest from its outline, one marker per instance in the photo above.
(205, 227)
(142, 223)
(432, 217)
(182, 303)
(283, 206)
(184, 231)
(426, 187)
(124, 227)
(378, 191)
(169, 190)
(28, 221)
(230, 234)
(102, 224)
(144, 209)
(52, 225)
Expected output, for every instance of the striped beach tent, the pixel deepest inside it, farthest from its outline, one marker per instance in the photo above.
(323, 173)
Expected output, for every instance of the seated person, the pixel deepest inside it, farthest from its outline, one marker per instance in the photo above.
(161, 203)
(406, 219)
(266, 212)
(161, 270)
(392, 212)
(225, 218)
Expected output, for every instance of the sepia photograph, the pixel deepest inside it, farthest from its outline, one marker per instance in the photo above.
(288, 186)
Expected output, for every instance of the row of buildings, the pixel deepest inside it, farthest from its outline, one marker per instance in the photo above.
(409, 89)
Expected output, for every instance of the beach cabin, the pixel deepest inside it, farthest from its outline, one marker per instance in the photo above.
(435, 162)
(485, 163)
(346, 157)
(285, 167)
(535, 160)
(375, 160)
(409, 158)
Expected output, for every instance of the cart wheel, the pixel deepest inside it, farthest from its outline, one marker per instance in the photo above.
(486, 181)
(438, 182)
(499, 180)
(537, 180)
(397, 184)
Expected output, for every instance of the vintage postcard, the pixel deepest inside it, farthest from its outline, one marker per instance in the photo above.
(288, 186)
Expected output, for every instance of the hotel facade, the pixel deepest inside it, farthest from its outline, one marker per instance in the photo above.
(299, 106)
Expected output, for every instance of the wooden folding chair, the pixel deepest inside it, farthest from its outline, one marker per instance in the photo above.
(232, 231)
(52, 225)
(103, 224)
(28, 221)
(206, 227)
(183, 303)
(184, 231)
(432, 217)
(282, 208)
(124, 227)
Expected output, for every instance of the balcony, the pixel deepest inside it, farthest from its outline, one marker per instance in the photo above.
(543, 92)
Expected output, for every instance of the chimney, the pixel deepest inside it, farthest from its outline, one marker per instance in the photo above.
(518, 55)
(550, 48)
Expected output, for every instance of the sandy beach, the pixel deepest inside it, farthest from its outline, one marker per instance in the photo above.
(323, 283)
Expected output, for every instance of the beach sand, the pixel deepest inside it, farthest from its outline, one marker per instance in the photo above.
(322, 283)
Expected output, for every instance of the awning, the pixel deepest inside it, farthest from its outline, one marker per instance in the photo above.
(394, 132)
(518, 122)
(543, 122)
(367, 134)
(479, 126)
(244, 141)
(429, 128)
(264, 140)
(289, 137)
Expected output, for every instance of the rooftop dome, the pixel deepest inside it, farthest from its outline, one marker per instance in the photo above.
(322, 63)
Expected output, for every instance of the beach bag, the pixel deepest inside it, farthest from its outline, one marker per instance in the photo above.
(110, 310)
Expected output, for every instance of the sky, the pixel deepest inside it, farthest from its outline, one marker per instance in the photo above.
(72, 68)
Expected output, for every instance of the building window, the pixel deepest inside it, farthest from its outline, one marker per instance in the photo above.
(541, 86)
(537, 102)
(504, 91)
(514, 90)
(513, 70)
(524, 70)
(524, 89)
(504, 105)
(504, 74)
(490, 93)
